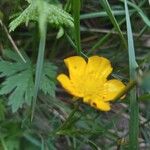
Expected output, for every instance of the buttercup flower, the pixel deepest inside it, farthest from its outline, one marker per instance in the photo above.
(88, 80)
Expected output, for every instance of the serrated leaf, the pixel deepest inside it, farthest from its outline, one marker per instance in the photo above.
(50, 70)
(12, 69)
(14, 56)
(19, 82)
(58, 16)
(55, 15)
(24, 17)
(48, 83)
(17, 85)
(14, 63)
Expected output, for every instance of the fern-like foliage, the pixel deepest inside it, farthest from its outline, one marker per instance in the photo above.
(19, 79)
(55, 15)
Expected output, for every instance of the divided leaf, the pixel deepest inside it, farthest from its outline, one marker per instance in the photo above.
(19, 81)
(48, 79)
(18, 85)
(55, 15)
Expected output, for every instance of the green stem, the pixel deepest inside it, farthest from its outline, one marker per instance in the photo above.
(76, 4)
(109, 11)
(134, 108)
(39, 67)
(12, 42)
(104, 39)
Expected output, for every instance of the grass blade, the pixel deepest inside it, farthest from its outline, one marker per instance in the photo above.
(40, 59)
(76, 4)
(141, 13)
(12, 42)
(39, 68)
(102, 14)
(134, 108)
(100, 42)
(107, 7)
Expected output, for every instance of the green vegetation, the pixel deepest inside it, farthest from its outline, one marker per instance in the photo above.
(36, 113)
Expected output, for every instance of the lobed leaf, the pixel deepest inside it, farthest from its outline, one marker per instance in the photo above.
(19, 81)
(48, 83)
(55, 15)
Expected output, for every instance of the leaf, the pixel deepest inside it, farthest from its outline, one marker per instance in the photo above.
(140, 12)
(28, 14)
(48, 82)
(134, 107)
(40, 59)
(144, 97)
(2, 110)
(55, 15)
(102, 14)
(12, 69)
(20, 85)
(19, 81)
(76, 6)
(107, 7)
(12, 56)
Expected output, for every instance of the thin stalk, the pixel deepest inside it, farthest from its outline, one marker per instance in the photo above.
(104, 39)
(102, 14)
(140, 12)
(134, 107)
(39, 67)
(109, 11)
(12, 42)
(76, 4)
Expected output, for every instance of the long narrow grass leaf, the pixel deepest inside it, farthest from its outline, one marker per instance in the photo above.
(141, 13)
(76, 4)
(134, 108)
(100, 42)
(39, 68)
(102, 14)
(40, 59)
(107, 7)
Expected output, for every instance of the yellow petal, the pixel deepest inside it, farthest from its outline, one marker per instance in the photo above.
(98, 67)
(97, 70)
(76, 66)
(101, 105)
(67, 85)
(111, 89)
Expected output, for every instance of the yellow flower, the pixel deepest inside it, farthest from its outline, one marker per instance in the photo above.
(88, 80)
